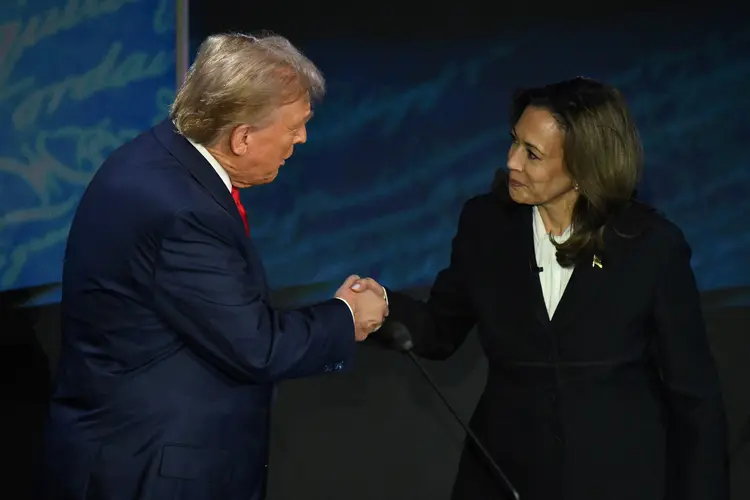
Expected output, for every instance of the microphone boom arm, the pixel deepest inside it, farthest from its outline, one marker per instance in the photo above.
(472, 437)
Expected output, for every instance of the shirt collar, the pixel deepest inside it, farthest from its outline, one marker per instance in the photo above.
(214, 163)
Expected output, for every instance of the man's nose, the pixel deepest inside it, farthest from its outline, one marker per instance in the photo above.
(301, 136)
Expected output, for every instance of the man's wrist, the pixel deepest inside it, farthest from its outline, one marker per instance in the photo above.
(351, 310)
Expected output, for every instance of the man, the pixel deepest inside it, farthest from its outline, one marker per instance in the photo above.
(170, 347)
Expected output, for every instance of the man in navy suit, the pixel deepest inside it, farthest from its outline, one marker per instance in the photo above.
(170, 347)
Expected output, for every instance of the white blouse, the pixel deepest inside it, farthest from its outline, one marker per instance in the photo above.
(553, 277)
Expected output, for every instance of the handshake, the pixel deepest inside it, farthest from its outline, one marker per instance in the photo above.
(368, 302)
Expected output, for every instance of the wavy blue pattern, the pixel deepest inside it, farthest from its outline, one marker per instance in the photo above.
(77, 78)
(407, 133)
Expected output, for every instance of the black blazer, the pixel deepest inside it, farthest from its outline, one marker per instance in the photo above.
(617, 397)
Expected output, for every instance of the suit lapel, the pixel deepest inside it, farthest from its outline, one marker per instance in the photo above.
(582, 288)
(207, 177)
(200, 169)
(524, 234)
(590, 273)
(594, 270)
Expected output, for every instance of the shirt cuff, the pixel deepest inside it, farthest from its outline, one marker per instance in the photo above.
(347, 305)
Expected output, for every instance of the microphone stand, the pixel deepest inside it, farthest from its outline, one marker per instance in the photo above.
(472, 437)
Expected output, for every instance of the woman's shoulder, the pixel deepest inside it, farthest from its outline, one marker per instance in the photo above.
(497, 199)
(643, 221)
(490, 206)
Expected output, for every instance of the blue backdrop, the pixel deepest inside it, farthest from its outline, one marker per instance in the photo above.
(77, 78)
(409, 130)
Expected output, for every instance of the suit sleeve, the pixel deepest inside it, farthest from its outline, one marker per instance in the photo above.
(206, 293)
(439, 326)
(696, 442)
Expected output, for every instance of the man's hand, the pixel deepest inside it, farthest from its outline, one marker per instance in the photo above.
(370, 285)
(368, 307)
(363, 284)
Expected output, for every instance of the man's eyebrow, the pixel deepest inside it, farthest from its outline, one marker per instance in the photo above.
(304, 120)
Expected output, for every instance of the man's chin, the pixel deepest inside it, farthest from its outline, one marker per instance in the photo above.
(270, 178)
(266, 179)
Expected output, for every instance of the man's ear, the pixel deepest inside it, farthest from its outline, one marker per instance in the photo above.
(240, 139)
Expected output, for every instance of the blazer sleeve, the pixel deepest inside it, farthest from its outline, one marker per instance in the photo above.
(204, 290)
(439, 326)
(696, 443)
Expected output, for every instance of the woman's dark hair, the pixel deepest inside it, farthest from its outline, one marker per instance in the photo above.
(602, 153)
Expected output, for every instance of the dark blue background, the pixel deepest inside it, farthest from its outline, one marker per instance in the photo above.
(415, 123)
(412, 128)
(100, 72)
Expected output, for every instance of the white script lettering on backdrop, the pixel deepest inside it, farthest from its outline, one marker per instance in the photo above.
(77, 79)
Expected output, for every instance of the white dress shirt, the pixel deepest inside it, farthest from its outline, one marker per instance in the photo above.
(553, 277)
(214, 163)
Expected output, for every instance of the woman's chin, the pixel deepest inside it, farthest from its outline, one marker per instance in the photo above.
(517, 195)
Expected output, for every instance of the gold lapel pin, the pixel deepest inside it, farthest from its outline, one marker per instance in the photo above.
(596, 262)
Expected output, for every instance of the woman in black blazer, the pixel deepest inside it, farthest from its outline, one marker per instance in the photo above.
(601, 384)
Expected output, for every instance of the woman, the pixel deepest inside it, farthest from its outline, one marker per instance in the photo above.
(601, 384)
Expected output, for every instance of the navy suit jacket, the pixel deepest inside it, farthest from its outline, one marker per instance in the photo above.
(170, 348)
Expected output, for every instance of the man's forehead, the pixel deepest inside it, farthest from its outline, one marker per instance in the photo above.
(297, 110)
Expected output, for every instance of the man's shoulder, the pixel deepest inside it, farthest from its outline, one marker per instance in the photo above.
(143, 148)
(144, 167)
(141, 185)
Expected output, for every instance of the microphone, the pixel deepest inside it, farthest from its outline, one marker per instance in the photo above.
(400, 339)
(534, 268)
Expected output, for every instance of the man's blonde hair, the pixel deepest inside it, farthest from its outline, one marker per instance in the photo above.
(241, 79)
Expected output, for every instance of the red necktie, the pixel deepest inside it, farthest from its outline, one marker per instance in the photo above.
(240, 208)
